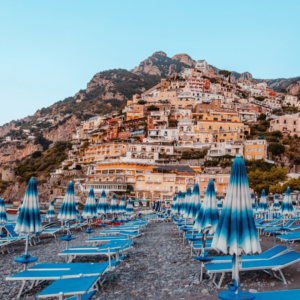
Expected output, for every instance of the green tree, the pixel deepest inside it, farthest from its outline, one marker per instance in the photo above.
(85, 145)
(277, 133)
(262, 117)
(225, 73)
(259, 180)
(276, 148)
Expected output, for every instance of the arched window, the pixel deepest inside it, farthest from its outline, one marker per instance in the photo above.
(249, 150)
(258, 156)
(258, 149)
(249, 157)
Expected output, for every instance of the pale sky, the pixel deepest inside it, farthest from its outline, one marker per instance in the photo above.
(50, 50)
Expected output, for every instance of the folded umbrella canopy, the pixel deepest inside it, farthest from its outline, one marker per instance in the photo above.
(122, 206)
(195, 202)
(179, 200)
(3, 217)
(20, 206)
(90, 208)
(113, 209)
(263, 206)
(219, 203)
(253, 200)
(182, 203)
(51, 213)
(29, 219)
(68, 210)
(276, 205)
(236, 231)
(287, 208)
(208, 216)
(187, 202)
(129, 207)
(102, 207)
(173, 205)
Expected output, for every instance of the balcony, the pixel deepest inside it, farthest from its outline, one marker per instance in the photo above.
(156, 181)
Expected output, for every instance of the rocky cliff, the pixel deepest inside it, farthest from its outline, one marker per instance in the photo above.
(11, 153)
(161, 65)
(293, 88)
(62, 132)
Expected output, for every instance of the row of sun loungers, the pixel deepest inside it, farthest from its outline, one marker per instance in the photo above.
(81, 279)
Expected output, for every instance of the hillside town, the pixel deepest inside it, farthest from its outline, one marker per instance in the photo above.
(186, 129)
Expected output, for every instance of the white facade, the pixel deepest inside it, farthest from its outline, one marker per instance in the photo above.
(161, 135)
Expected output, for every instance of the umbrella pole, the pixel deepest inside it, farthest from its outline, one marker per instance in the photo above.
(26, 246)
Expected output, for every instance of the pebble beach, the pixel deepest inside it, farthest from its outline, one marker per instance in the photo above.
(159, 266)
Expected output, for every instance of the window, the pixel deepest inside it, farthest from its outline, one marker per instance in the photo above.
(295, 123)
(249, 150)
(249, 157)
(140, 188)
(221, 180)
(258, 149)
(224, 189)
(204, 188)
(284, 122)
(209, 127)
(165, 188)
(176, 189)
(258, 156)
(171, 188)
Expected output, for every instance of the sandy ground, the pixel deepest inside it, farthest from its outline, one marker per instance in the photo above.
(159, 266)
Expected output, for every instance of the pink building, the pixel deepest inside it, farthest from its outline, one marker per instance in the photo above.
(288, 124)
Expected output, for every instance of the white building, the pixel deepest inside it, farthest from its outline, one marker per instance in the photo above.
(161, 135)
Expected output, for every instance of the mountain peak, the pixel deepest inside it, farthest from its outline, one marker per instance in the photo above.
(162, 53)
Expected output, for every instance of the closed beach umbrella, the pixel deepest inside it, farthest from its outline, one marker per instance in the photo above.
(90, 208)
(219, 203)
(102, 207)
(208, 216)
(253, 201)
(68, 208)
(122, 206)
(187, 202)
(182, 203)
(77, 210)
(113, 209)
(29, 220)
(51, 213)
(195, 202)
(129, 207)
(263, 206)
(3, 217)
(276, 205)
(173, 205)
(236, 231)
(20, 207)
(178, 202)
(287, 208)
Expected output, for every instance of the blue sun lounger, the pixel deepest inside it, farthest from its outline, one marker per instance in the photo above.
(115, 231)
(270, 253)
(53, 271)
(11, 234)
(83, 288)
(197, 235)
(278, 295)
(99, 239)
(274, 264)
(110, 249)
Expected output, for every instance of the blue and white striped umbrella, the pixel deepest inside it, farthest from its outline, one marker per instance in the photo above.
(3, 217)
(122, 206)
(68, 208)
(276, 205)
(263, 206)
(20, 207)
(90, 208)
(129, 207)
(29, 220)
(51, 213)
(178, 202)
(253, 201)
(182, 203)
(187, 203)
(208, 216)
(219, 203)
(113, 209)
(173, 205)
(102, 207)
(287, 208)
(77, 210)
(158, 206)
(195, 202)
(236, 231)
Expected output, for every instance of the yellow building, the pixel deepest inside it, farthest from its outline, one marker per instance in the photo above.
(135, 112)
(103, 152)
(255, 149)
(189, 139)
